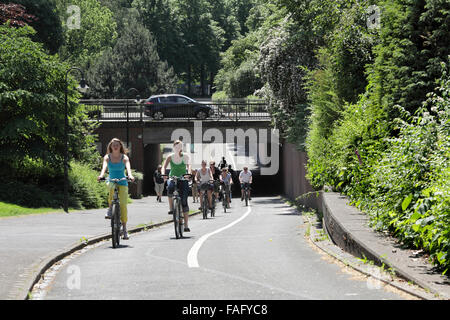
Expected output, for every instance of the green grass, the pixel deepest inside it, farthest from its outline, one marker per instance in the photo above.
(12, 210)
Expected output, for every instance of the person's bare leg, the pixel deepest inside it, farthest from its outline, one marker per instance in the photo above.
(201, 199)
(210, 199)
(186, 217)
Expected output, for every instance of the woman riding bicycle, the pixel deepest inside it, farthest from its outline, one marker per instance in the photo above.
(226, 181)
(215, 173)
(179, 166)
(116, 161)
(204, 176)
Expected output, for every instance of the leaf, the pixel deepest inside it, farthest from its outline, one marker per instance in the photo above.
(406, 202)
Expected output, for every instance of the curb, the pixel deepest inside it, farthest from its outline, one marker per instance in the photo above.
(313, 237)
(60, 254)
(355, 246)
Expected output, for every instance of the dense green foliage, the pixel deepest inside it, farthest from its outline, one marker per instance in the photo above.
(365, 93)
(46, 23)
(133, 62)
(97, 32)
(32, 86)
(378, 126)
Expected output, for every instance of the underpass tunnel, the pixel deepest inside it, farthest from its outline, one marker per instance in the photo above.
(236, 155)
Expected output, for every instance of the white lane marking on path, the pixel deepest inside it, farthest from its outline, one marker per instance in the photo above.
(192, 255)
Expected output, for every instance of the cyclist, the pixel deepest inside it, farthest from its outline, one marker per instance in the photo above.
(179, 166)
(204, 176)
(195, 194)
(222, 163)
(245, 177)
(116, 161)
(226, 181)
(215, 173)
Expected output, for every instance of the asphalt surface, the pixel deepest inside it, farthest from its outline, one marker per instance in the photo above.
(28, 240)
(256, 252)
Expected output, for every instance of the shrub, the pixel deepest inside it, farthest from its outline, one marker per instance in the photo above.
(86, 192)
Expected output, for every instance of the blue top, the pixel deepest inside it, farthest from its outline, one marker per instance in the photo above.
(117, 171)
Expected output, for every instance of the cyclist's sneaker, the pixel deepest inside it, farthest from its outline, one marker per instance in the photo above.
(171, 212)
(108, 213)
(187, 230)
(125, 236)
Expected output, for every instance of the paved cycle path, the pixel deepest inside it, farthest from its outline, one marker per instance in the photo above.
(28, 240)
(257, 253)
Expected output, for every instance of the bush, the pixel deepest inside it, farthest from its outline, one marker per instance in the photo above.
(29, 195)
(402, 182)
(85, 191)
(219, 96)
(41, 187)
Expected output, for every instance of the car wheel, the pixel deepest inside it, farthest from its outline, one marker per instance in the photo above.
(202, 115)
(158, 115)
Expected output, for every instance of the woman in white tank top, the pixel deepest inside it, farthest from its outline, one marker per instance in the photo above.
(203, 177)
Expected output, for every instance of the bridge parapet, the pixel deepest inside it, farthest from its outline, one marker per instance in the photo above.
(122, 109)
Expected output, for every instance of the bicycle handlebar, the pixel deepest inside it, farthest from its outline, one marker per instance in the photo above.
(115, 180)
(184, 176)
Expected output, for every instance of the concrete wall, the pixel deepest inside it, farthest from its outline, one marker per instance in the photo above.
(293, 174)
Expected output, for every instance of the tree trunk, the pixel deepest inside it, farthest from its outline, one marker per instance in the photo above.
(202, 80)
(189, 80)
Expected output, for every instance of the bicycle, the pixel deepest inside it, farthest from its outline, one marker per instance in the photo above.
(178, 218)
(225, 196)
(115, 212)
(213, 200)
(205, 201)
(246, 187)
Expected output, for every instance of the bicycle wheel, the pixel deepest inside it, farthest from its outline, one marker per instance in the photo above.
(176, 218)
(224, 202)
(213, 205)
(115, 225)
(246, 198)
(180, 220)
(205, 206)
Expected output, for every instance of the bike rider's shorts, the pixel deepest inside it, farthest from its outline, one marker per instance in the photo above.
(183, 187)
(216, 185)
(226, 186)
(206, 186)
(245, 185)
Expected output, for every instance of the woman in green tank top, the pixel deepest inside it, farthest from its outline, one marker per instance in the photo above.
(179, 165)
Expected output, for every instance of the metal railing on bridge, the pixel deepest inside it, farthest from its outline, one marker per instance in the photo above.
(122, 109)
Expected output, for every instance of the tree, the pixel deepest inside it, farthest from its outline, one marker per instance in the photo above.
(15, 14)
(98, 31)
(32, 90)
(47, 24)
(132, 62)
(414, 42)
(158, 17)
